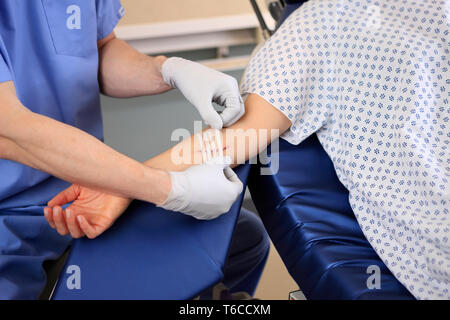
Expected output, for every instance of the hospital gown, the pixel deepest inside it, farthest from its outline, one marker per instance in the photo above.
(372, 79)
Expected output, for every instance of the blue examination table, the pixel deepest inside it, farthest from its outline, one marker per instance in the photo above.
(150, 253)
(306, 212)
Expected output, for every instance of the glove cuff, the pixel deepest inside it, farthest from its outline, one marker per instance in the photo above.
(169, 68)
(180, 194)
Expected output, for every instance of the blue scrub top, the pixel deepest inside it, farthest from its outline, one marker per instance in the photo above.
(48, 48)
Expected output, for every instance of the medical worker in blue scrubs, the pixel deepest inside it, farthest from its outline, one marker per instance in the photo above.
(56, 56)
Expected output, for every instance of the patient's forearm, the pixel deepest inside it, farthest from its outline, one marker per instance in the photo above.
(261, 124)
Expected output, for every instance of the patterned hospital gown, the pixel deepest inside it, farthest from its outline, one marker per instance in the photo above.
(372, 79)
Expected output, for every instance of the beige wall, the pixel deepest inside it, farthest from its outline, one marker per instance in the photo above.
(152, 11)
(276, 282)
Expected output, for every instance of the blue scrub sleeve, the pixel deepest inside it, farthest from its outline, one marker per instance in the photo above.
(5, 75)
(109, 12)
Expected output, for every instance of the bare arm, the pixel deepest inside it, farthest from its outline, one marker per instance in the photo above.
(125, 72)
(261, 124)
(71, 154)
(242, 140)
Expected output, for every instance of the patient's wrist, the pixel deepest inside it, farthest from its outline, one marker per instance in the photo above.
(159, 62)
(160, 186)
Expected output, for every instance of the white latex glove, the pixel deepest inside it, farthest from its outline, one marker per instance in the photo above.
(204, 191)
(201, 86)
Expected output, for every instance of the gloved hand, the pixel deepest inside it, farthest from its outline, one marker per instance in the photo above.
(204, 191)
(201, 86)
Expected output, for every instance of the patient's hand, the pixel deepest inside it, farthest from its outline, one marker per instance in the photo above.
(90, 214)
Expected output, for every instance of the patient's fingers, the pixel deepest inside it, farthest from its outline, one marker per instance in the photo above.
(60, 221)
(86, 227)
(65, 196)
(72, 223)
(48, 214)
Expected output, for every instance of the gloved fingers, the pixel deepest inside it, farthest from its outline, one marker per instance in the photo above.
(210, 115)
(232, 176)
(60, 221)
(65, 196)
(94, 225)
(72, 223)
(234, 110)
(48, 214)
(215, 153)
